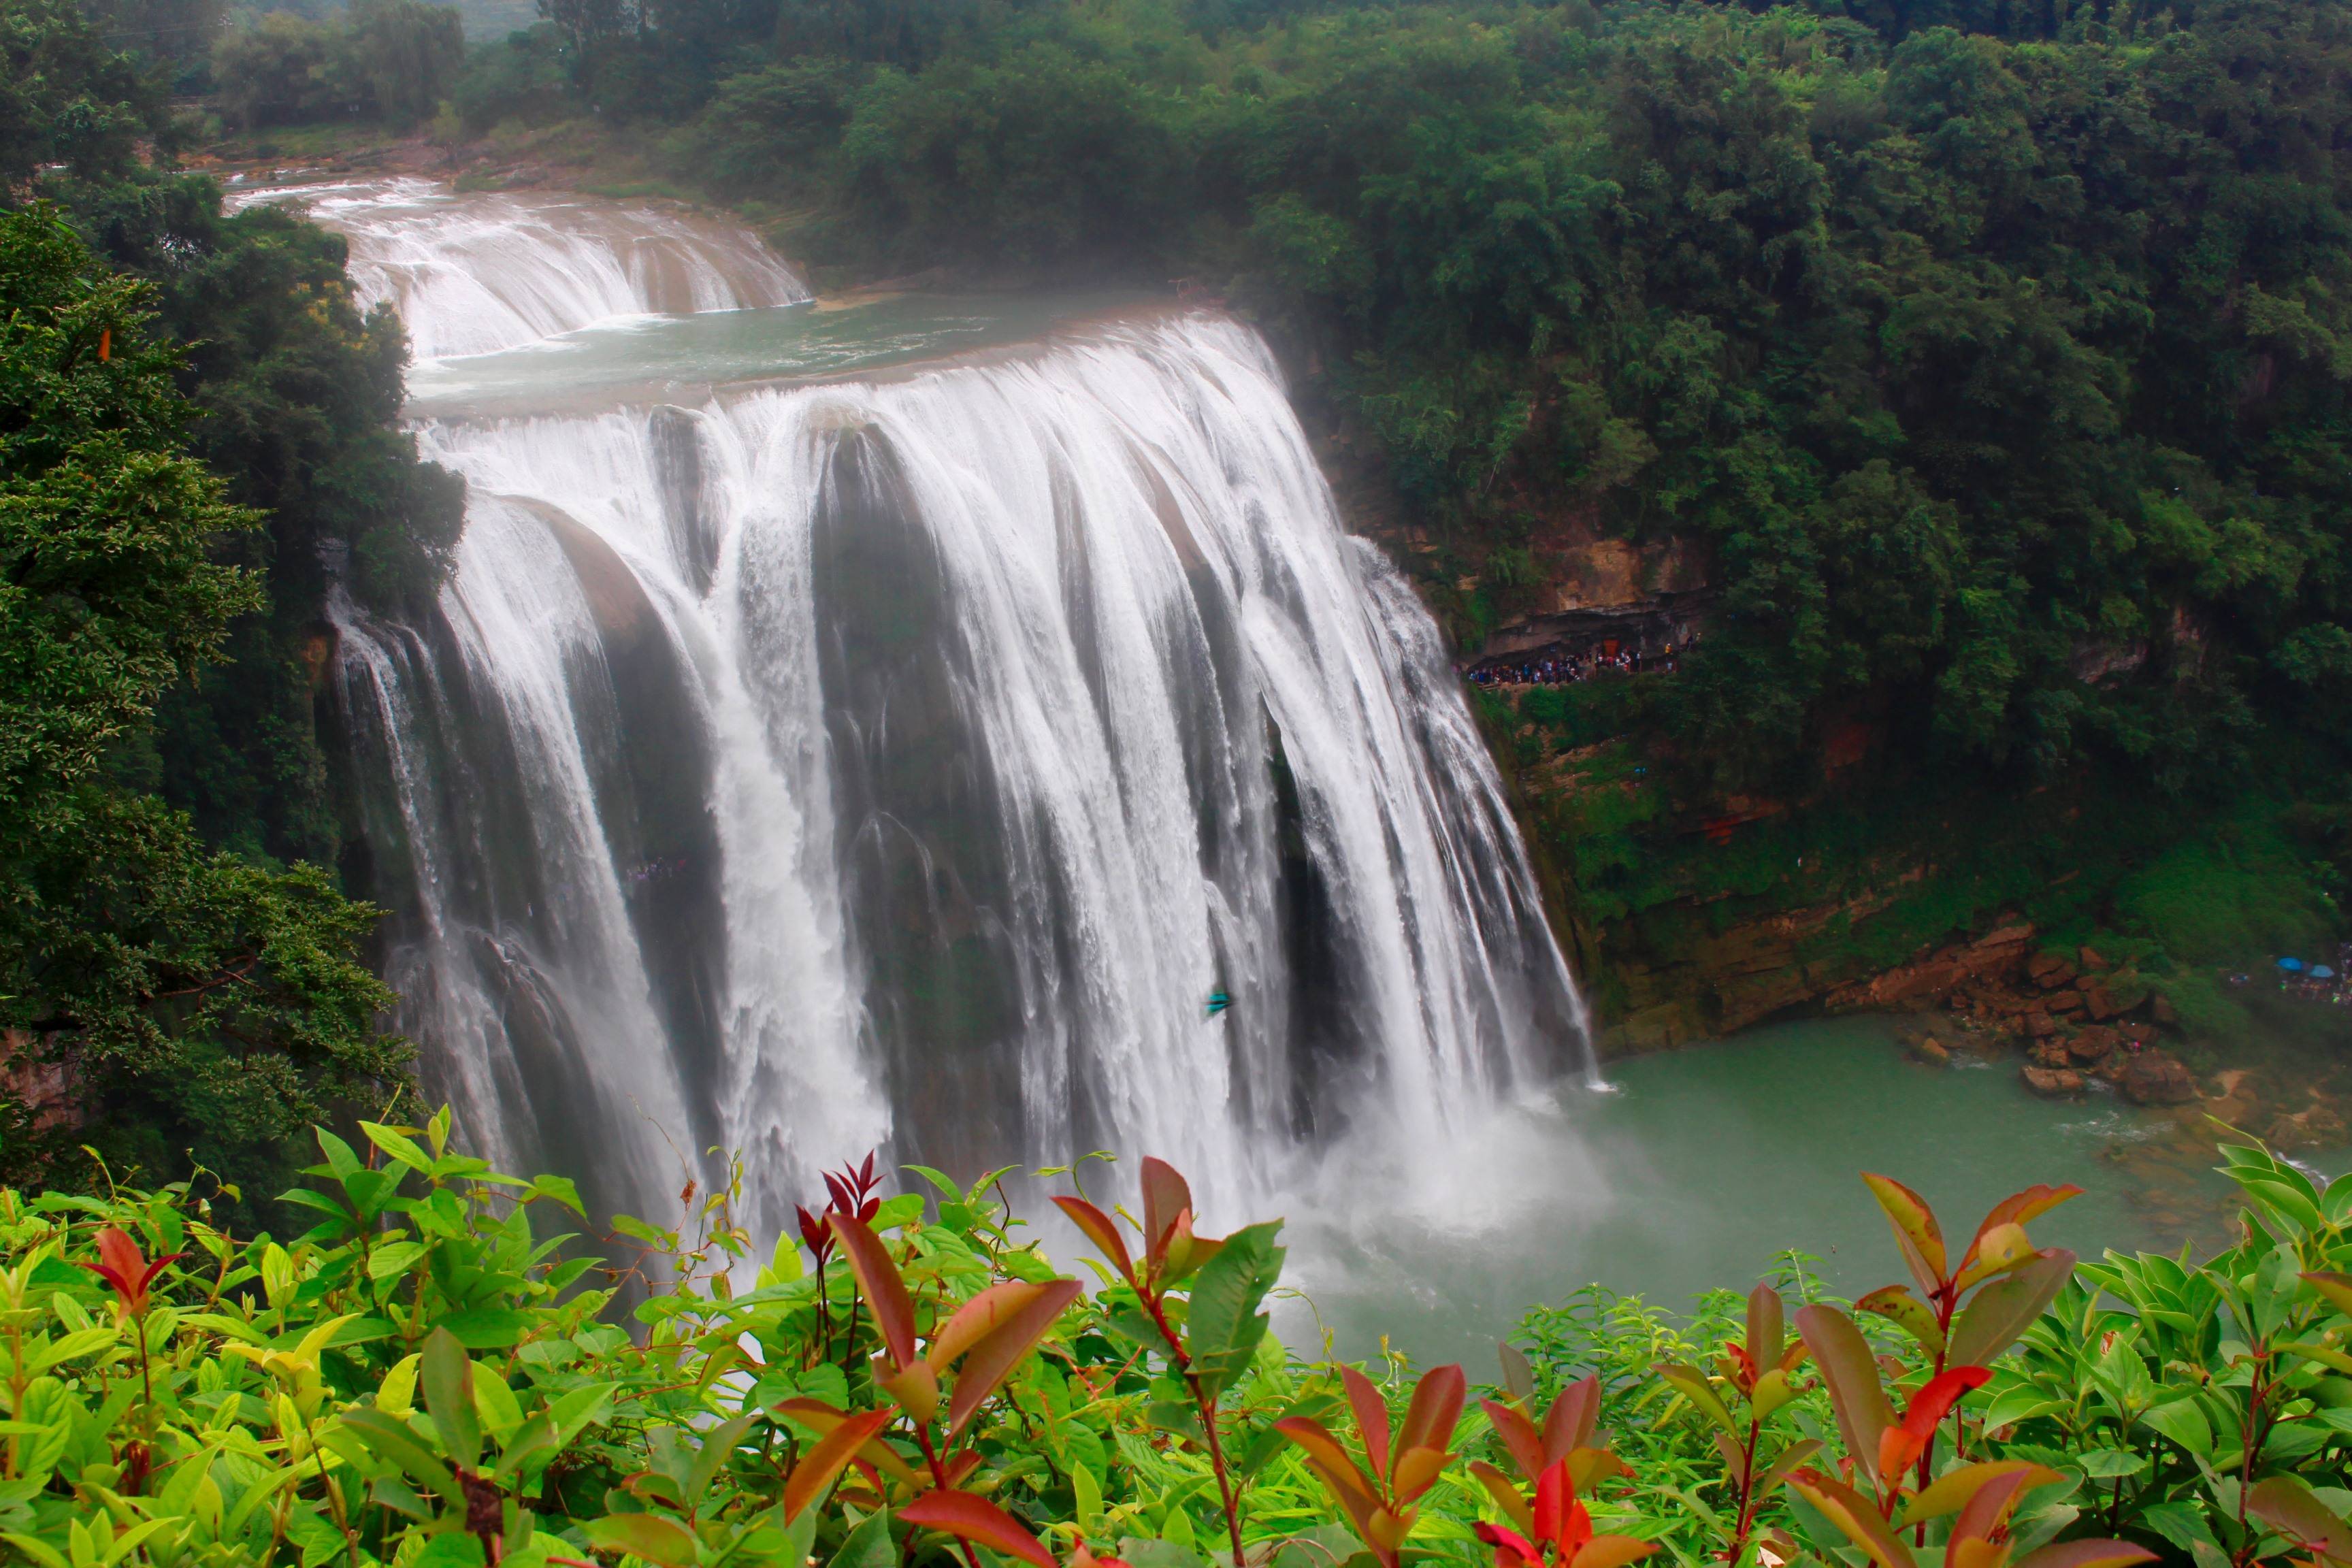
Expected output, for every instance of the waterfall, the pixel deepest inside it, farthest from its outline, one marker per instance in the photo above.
(904, 762)
(476, 274)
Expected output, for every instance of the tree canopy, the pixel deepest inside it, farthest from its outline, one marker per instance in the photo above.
(204, 1006)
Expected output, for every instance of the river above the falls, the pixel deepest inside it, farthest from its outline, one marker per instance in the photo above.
(684, 359)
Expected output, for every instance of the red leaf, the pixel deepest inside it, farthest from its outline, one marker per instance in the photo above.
(121, 1265)
(1510, 1540)
(1100, 1230)
(1437, 1406)
(1527, 1450)
(977, 1518)
(1165, 1197)
(827, 1459)
(1372, 1411)
(1934, 1401)
(2019, 1207)
(1553, 1497)
(1000, 1351)
(1915, 1228)
(878, 1281)
(1573, 1414)
(1985, 1514)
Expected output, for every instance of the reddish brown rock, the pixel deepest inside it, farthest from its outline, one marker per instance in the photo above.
(2100, 1003)
(2128, 987)
(2093, 1045)
(2038, 1024)
(2015, 936)
(2049, 971)
(2050, 1053)
(2065, 1002)
(2319, 1125)
(2091, 959)
(2052, 1083)
(2158, 1077)
(2161, 1010)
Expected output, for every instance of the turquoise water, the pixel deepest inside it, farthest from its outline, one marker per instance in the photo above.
(681, 359)
(1699, 1167)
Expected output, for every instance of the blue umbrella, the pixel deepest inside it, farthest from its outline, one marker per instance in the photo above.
(2292, 965)
(2321, 972)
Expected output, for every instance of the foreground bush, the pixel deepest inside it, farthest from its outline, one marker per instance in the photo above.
(425, 1378)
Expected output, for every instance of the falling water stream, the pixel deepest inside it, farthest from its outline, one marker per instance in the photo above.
(890, 726)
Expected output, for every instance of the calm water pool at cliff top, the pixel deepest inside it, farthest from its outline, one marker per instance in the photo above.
(683, 358)
(1699, 1166)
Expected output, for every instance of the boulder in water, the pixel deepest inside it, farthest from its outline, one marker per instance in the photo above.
(2052, 1083)
(2158, 1077)
(2317, 1126)
(1927, 1049)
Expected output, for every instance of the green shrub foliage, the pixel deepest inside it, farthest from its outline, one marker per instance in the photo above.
(440, 1373)
(184, 999)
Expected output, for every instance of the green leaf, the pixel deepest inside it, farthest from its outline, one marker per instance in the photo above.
(1223, 1326)
(454, 1549)
(2182, 1422)
(719, 1446)
(2181, 1523)
(394, 1258)
(644, 1535)
(1693, 1385)
(945, 1184)
(2020, 1402)
(487, 1328)
(39, 1551)
(446, 1376)
(2004, 1308)
(1138, 1553)
(399, 1146)
(2109, 1464)
(901, 1210)
(561, 1189)
(868, 1546)
(397, 1442)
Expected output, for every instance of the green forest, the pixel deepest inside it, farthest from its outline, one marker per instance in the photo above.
(193, 411)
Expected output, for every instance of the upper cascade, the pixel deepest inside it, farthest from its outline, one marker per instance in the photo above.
(478, 273)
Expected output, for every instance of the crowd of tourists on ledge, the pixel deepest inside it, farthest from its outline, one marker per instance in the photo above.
(2311, 982)
(1557, 666)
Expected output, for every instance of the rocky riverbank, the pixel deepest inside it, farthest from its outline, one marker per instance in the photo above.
(2077, 1024)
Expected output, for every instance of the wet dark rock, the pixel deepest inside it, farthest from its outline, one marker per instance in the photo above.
(2052, 1083)
(2158, 1077)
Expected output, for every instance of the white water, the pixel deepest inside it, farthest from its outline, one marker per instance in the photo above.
(903, 763)
(475, 274)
